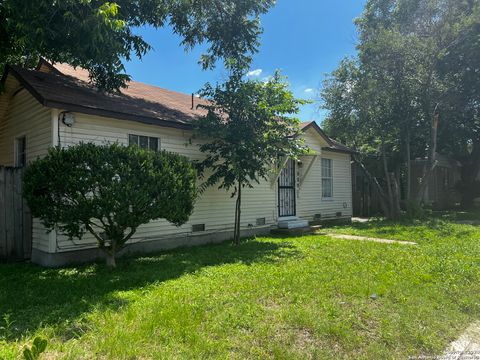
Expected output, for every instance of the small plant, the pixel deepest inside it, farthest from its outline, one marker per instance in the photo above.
(38, 347)
(414, 210)
(6, 330)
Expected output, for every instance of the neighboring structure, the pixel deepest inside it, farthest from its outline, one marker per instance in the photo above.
(440, 193)
(55, 106)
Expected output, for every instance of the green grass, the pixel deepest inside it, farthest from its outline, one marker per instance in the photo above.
(285, 298)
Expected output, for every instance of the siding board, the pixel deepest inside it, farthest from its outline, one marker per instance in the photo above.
(25, 116)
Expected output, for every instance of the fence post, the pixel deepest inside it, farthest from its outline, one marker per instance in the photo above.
(15, 217)
(9, 213)
(18, 214)
(3, 207)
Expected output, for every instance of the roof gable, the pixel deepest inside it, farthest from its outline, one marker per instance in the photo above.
(328, 144)
(312, 125)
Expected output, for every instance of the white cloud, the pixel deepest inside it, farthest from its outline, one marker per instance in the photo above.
(255, 73)
(309, 90)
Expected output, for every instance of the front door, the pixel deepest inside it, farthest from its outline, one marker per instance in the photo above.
(286, 190)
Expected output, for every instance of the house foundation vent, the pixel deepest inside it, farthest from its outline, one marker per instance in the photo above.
(317, 217)
(198, 227)
(339, 214)
(261, 221)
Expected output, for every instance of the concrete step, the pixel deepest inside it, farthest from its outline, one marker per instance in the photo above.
(288, 218)
(292, 224)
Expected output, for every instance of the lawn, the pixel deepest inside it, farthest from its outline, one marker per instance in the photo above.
(286, 298)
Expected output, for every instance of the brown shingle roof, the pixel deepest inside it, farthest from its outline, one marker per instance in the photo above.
(67, 88)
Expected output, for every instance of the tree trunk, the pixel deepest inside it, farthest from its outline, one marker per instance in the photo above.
(397, 195)
(468, 178)
(409, 168)
(389, 185)
(111, 263)
(236, 233)
(432, 161)
(110, 255)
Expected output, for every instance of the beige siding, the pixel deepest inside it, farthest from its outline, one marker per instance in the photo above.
(214, 208)
(314, 141)
(309, 199)
(309, 193)
(24, 116)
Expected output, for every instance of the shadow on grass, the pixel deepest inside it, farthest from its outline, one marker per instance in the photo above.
(35, 297)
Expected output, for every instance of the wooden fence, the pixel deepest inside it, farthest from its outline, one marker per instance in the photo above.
(15, 217)
(366, 201)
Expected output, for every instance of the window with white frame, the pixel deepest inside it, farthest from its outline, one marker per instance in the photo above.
(327, 178)
(145, 142)
(20, 151)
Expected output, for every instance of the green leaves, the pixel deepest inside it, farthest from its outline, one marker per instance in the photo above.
(38, 347)
(412, 56)
(415, 58)
(99, 35)
(248, 126)
(109, 190)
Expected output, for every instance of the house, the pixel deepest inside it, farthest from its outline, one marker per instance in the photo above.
(55, 106)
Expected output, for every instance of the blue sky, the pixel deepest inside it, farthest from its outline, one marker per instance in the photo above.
(305, 39)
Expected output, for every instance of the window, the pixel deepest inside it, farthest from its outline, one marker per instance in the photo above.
(327, 178)
(145, 142)
(20, 152)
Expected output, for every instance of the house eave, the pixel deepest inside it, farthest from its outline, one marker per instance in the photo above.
(92, 111)
(118, 115)
(351, 152)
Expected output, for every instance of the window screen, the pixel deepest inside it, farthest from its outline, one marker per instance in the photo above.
(327, 178)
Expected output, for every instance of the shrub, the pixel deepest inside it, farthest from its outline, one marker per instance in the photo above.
(109, 191)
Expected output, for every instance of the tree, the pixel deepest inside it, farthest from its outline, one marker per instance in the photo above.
(248, 125)
(392, 101)
(459, 69)
(109, 191)
(98, 35)
(360, 116)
